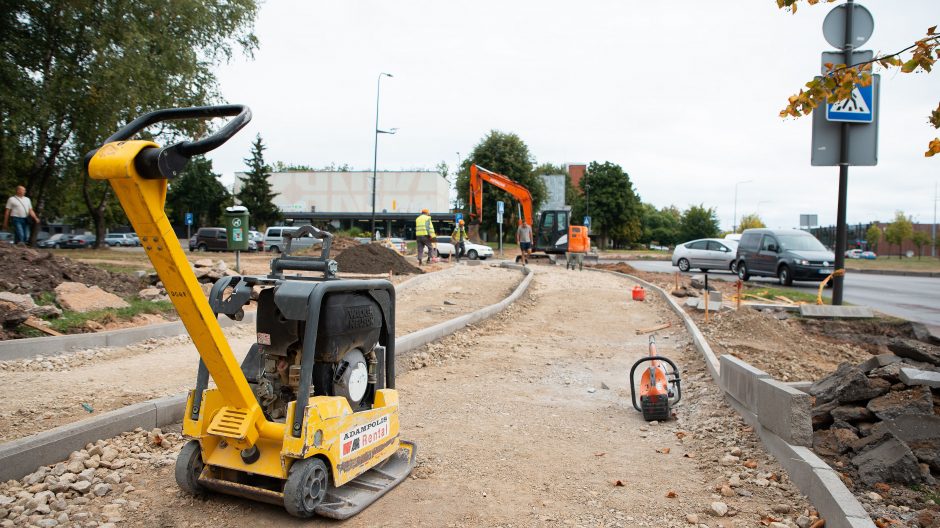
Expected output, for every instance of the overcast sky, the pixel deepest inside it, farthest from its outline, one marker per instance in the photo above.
(684, 95)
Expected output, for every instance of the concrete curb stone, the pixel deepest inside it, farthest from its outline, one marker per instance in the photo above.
(51, 345)
(785, 411)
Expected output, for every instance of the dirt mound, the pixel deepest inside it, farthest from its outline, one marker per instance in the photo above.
(373, 258)
(777, 343)
(620, 267)
(34, 272)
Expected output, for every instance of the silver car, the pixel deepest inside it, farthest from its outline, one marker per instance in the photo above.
(706, 254)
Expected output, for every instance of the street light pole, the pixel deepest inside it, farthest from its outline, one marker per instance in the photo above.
(734, 223)
(933, 228)
(375, 158)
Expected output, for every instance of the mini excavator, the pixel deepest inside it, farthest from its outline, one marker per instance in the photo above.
(660, 387)
(310, 419)
(551, 233)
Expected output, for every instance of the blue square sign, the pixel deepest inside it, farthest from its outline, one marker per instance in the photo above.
(859, 108)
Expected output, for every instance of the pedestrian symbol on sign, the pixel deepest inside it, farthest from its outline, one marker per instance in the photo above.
(857, 108)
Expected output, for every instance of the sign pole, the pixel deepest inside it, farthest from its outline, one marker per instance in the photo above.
(838, 286)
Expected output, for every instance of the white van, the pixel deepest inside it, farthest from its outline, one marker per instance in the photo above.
(275, 241)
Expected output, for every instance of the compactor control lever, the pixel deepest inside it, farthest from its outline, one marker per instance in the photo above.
(167, 162)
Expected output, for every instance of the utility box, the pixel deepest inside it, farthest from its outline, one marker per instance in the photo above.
(236, 227)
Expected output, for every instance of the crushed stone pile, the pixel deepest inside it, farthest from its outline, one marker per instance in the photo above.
(373, 258)
(94, 487)
(878, 422)
(28, 271)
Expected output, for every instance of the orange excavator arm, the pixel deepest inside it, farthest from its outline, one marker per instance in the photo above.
(478, 175)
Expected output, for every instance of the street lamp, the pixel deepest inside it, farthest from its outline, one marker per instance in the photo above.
(734, 224)
(375, 159)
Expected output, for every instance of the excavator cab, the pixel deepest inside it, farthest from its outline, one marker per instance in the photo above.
(551, 233)
(309, 420)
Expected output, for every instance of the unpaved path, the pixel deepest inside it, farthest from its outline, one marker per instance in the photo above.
(41, 394)
(514, 428)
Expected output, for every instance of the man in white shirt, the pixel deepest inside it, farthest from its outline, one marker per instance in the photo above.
(20, 209)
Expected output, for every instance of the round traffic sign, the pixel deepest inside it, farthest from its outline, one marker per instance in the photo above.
(863, 25)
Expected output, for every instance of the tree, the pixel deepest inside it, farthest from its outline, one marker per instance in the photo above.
(899, 230)
(255, 192)
(840, 80)
(699, 222)
(74, 72)
(661, 226)
(614, 206)
(506, 154)
(873, 237)
(920, 239)
(750, 221)
(198, 191)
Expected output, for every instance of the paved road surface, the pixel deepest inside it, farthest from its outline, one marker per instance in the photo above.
(913, 298)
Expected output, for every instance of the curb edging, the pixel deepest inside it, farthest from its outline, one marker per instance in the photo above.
(814, 478)
(22, 456)
(53, 345)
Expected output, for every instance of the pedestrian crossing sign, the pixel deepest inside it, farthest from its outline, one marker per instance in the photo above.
(859, 108)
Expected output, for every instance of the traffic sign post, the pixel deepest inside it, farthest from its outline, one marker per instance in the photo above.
(189, 225)
(846, 27)
(499, 220)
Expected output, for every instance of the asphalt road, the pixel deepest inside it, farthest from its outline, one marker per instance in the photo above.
(913, 298)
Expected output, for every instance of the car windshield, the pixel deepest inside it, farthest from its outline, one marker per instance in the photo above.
(800, 243)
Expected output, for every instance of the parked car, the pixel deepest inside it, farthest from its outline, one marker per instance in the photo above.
(121, 239)
(55, 241)
(255, 241)
(787, 254)
(869, 255)
(474, 251)
(399, 245)
(209, 239)
(853, 254)
(274, 239)
(706, 254)
(78, 242)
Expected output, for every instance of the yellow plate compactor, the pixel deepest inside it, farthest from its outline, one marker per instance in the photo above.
(310, 418)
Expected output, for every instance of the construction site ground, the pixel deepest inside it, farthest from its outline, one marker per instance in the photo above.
(38, 394)
(522, 420)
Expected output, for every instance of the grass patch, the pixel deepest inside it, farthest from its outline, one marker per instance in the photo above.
(930, 494)
(771, 293)
(895, 264)
(117, 268)
(70, 321)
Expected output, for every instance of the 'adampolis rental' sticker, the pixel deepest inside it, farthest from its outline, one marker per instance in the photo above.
(363, 436)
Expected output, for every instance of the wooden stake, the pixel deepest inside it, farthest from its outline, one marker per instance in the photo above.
(706, 303)
(32, 322)
(740, 284)
(652, 328)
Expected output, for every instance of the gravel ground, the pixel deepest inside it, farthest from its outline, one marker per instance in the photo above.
(45, 392)
(524, 420)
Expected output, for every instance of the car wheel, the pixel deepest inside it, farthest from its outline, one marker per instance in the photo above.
(733, 267)
(742, 271)
(683, 264)
(275, 249)
(784, 276)
(472, 254)
(202, 247)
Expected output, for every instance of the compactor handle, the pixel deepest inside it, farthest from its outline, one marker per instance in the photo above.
(167, 162)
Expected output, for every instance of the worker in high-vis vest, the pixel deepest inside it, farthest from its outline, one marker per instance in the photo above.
(459, 239)
(424, 233)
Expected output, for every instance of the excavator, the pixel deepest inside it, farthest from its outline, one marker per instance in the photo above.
(553, 234)
(310, 419)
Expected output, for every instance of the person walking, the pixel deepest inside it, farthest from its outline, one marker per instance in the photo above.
(459, 239)
(524, 238)
(20, 209)
(424, 234)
